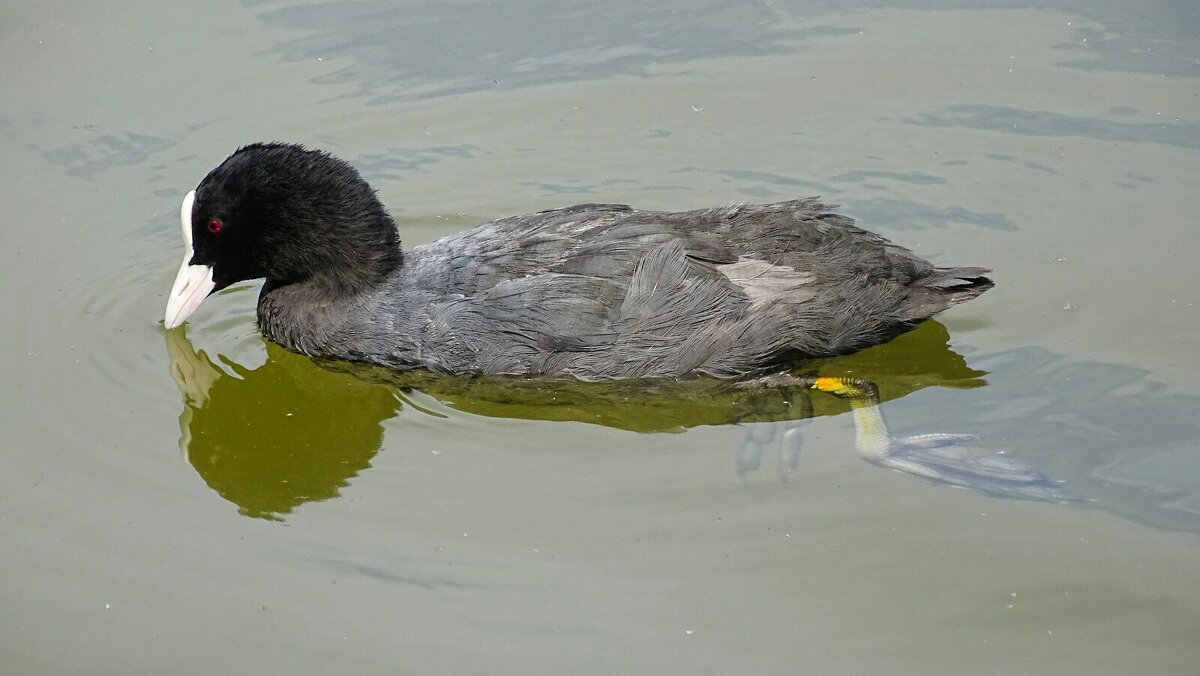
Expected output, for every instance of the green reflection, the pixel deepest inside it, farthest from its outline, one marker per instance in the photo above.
(918, 359)
(274, 437)
(296, 430)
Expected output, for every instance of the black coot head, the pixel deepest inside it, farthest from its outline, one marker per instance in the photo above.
(285, 213)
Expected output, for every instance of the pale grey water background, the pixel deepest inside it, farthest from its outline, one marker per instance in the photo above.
(1059, 144)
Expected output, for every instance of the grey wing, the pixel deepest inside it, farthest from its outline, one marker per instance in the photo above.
(522, 326)
(681, 314)
(476, 260)
(673, 315)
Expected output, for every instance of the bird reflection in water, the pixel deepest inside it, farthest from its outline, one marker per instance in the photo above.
(293, 430)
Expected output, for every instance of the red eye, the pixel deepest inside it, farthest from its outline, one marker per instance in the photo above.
(214, 226)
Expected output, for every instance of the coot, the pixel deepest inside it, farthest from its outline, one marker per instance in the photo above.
(593, 291)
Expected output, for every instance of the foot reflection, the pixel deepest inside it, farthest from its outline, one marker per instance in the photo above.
(940, 457)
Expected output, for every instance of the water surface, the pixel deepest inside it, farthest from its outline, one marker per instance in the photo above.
(203, 500)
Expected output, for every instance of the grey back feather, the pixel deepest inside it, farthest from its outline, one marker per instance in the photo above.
(605, 291)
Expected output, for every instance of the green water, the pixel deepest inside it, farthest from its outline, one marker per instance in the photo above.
(200, 501)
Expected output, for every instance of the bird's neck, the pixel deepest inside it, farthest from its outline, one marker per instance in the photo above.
(302, 316)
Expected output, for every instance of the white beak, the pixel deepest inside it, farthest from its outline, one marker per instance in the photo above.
(193, 283)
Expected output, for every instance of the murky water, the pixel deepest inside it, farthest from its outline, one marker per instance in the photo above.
(202, 501)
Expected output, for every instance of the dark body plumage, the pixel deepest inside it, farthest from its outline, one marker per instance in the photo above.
(594, 291)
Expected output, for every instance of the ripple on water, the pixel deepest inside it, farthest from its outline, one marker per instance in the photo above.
(123, 342)
(97, 407)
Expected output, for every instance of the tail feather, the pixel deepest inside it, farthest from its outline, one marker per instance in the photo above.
(950, 278)
(944, 287)
(959, 284)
